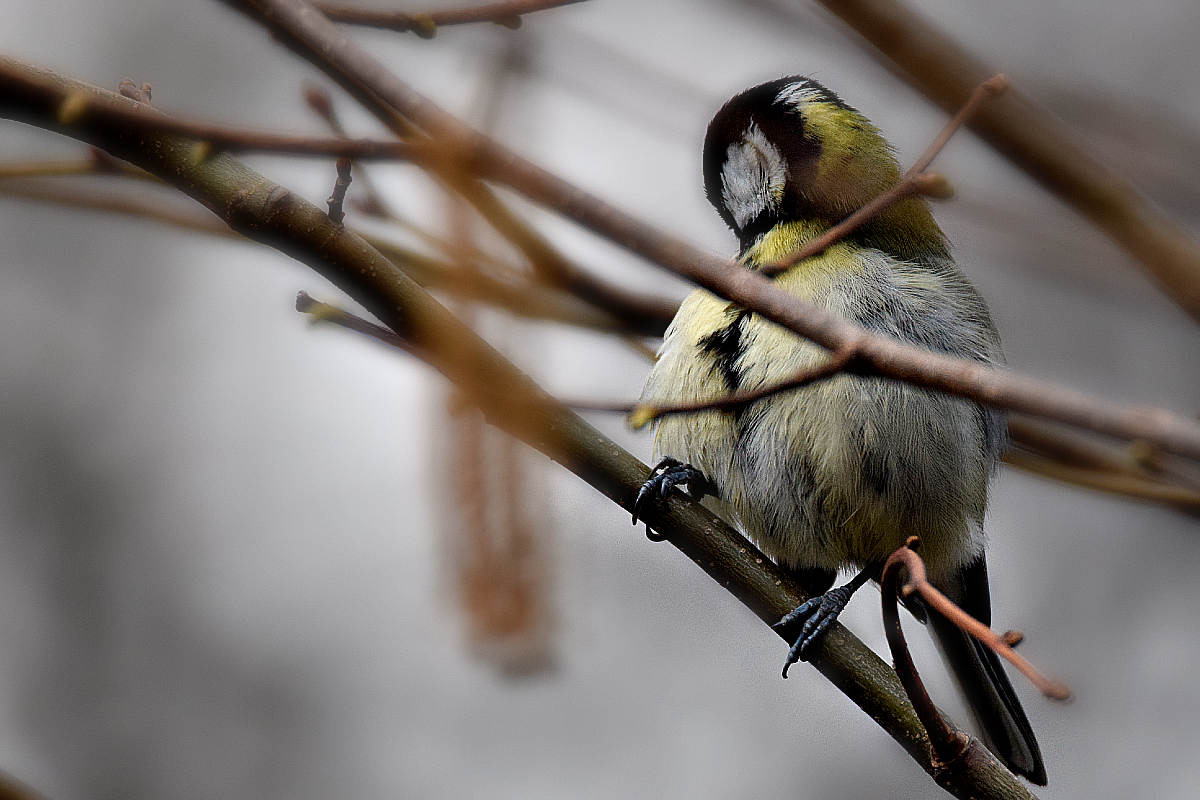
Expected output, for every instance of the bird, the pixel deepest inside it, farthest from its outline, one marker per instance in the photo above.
(839, 473)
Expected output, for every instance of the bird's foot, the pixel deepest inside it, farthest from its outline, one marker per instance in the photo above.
(818, 614)
(668, 474)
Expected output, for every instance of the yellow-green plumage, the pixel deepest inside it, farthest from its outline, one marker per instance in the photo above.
(841, 472)
(790, 469)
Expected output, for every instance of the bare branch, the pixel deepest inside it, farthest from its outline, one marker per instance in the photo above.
(372, 200)
(137, 116)
(340, 186)
(1137, 459)
(948, 742)
(908, 186)
(509, 292)
(643, 414)
(425, 24)
(295, 22)
(324, 312)
(1181, 497)
(137, 205)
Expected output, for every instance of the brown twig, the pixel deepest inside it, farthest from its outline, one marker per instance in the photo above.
(842, 360)
(371, 200)
(1181, 497)
(649, 315)
(47, 169)
(141, 205)
(425, 24)
(506, 292)
(96, 163)
(1138, 459)
(956, 755)
(295, 22)
(340, 187)
(908, 186)
(1103, 474)
(135, 115)
(915, 181)
(947, 742)
(1071, 448)
(906, 557)
(324, 312)
(937, 65)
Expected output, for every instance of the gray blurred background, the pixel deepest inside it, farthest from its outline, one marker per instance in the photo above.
(220, 569)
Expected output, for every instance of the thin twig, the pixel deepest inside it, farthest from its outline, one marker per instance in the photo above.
(907, 558)
(642, 414)
(47, 169)
(948, 742)
(1139, 459)
(425, 24)
(1180, 497)
(158, 209)
(1111, 479)
(908, 186)
(914, 181)
(372, 200)
(97, 163)
(340, 186)
(507, 292)
(295, 22)
(649, 315)
(324, 312)
(1031, 138)
(135, 115)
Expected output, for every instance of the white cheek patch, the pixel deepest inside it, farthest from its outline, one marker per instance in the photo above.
(753, 177)
(799, 94)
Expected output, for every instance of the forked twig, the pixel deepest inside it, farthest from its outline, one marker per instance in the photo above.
(906, 558)
(948, 743)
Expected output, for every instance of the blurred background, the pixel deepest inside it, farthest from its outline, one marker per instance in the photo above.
(232, 553)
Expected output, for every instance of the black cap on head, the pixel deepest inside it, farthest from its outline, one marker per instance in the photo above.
(758, 156)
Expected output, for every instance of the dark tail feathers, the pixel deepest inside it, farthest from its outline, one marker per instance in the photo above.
(989, 695)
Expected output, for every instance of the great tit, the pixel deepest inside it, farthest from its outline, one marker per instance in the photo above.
(841, 472)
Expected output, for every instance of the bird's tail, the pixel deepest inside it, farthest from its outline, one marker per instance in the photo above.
(990, 697)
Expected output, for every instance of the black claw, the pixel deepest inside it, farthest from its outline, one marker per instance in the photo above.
(668, 474)
(818, 613)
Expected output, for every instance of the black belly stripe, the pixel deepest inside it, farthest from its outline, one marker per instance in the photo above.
(725, 347)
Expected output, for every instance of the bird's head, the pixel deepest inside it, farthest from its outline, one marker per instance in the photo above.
(791, 150)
